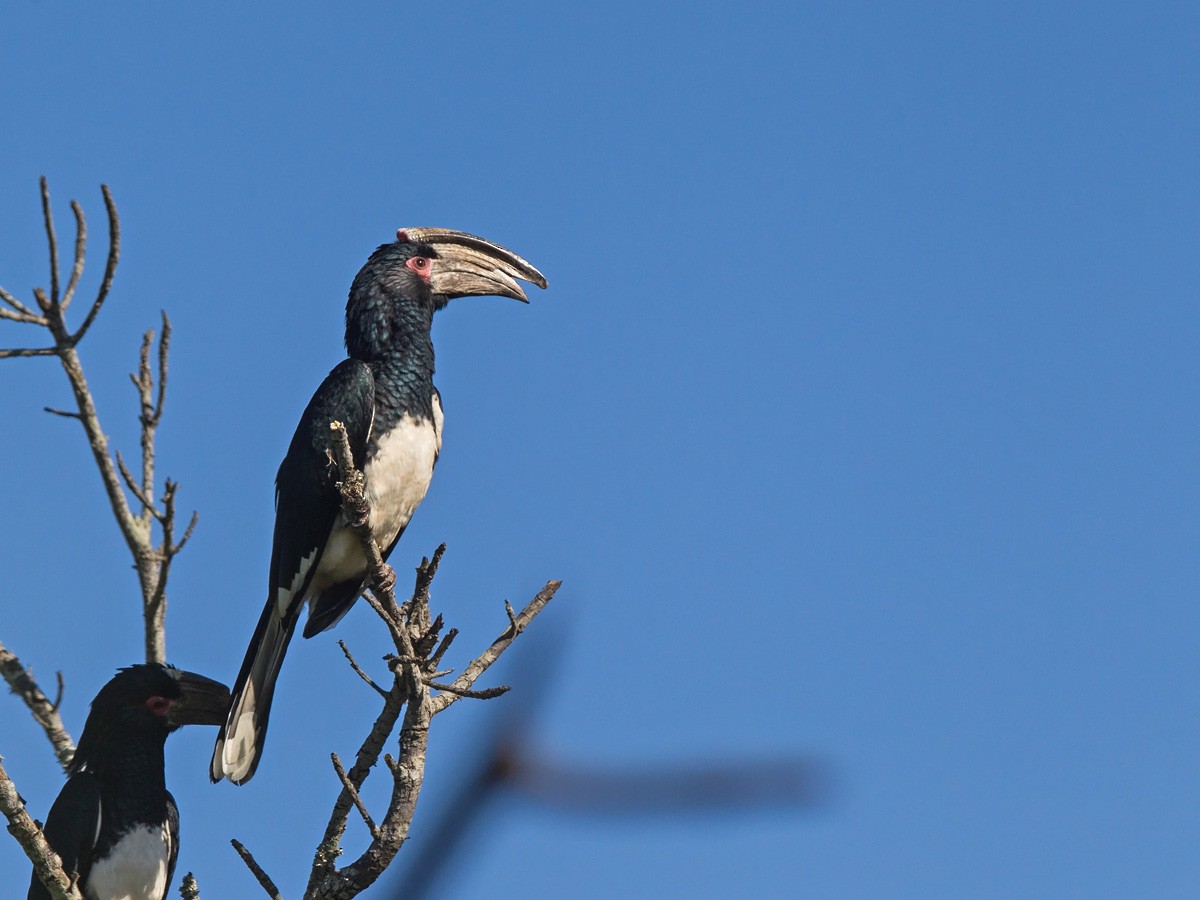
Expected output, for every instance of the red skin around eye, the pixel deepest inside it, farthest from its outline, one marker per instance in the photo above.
(420, 265)
(158, 705)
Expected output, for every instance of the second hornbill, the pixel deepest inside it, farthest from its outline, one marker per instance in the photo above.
(114, 825)
(385, 397)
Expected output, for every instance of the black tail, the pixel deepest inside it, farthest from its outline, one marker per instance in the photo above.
(240, 742)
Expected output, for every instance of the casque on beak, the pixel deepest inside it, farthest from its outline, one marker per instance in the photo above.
(202, 701)
(470, 266)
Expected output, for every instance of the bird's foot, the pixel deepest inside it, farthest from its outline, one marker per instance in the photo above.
(386, 580)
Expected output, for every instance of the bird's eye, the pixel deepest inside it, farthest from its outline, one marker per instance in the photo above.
(158, 705)
(420, 262)
(420, 265)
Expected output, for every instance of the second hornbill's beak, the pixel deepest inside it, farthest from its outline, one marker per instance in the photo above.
(472, 266)
(201, 701)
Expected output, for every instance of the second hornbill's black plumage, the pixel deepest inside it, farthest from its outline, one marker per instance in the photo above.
(385, 397)
(114, 824)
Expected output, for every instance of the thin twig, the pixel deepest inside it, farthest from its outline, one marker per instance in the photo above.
(484, 694)
(436, 658)
(187, 533)
(17, 304)
(38, 351)
(65, 413)
(256, 870)
(358, 670)
(480, 665)
(58, 696)
(358, 804)
(26, 318)
(80, 248)
(127, 477)
(395, 627)
(110, 267)
(164, 347)
(51, 238)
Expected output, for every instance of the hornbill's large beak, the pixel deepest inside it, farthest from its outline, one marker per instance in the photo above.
(472, 266)
(202, 701)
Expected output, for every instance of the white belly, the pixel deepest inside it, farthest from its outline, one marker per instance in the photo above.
(397, 478)
(399, 474)
(135, 870)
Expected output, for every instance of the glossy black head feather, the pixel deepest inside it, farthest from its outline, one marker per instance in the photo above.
(389, 304)
(142, 704)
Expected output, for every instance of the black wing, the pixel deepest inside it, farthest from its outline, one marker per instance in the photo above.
(71, 828)
(307, 502)
(173, 837)
(306, 508)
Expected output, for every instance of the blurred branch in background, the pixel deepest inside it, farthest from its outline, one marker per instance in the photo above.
(512, 768)
(667, 789)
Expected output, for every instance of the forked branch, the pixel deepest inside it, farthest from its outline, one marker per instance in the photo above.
(419, 646)
(152, 559)
(45, 712)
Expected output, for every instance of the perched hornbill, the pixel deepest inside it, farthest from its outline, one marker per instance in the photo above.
(114, 824)
(385, 397)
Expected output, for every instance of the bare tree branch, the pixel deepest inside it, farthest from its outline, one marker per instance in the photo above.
(484, 694)
(480, 665)
(17, 316)
(19, 306)
(164, 349)
(436, 658)
(65, 413)
(359, 672)
(263, 879)
(355, 798)
(151, 562)
(419, 649)
(45, 713)
(80, 253)
(368, 754)
(37, 351)
(51, 239)
(46, 864)
(110, 267)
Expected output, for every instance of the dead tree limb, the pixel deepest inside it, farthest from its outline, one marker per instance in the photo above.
(416, 636)
(45, 712)
(264, 880)
(151, 558)
(46, 864)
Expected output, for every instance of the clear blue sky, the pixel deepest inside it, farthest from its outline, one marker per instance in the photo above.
(859, 419)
